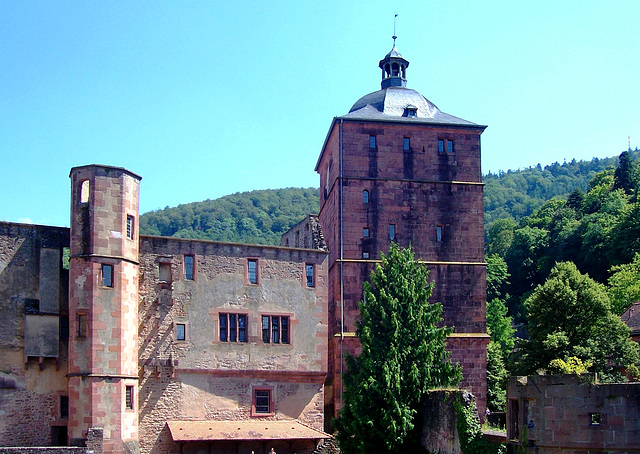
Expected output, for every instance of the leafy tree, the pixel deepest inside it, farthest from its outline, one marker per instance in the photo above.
(624, 285)
(497, 276)
(572, 365)
(497, 377)
(500, 236)
(570, 315)
(403, 355)
(499, 326)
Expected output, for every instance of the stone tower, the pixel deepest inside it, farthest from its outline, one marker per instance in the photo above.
(397, 168)
(103, 307)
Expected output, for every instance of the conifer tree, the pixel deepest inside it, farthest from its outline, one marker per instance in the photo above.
(403, 355)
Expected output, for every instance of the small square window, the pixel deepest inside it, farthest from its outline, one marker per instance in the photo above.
(188, 267)
(252, 271)
(262, 401)
(595, 419)
(392, 232)
(181, 331)
(164, 271)
(365, 255)
(406, 144)
(365, 232)
(439, 233)
(130, 227)
(107, 275)
(372, 141)
(310, 274)
(440, 146)
(128, 399)
(450, 148)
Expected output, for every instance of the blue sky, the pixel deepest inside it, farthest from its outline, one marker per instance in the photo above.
(204, 99)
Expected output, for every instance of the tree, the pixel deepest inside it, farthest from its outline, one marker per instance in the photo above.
(570, 316)
(403, 355)
(625, 174)
(497, 376)
(624, 285)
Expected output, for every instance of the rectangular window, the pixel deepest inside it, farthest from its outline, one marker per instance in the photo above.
(81, 320)
(440, 146)
(262, 399)
(310, 274)
(252, 271)
(181, 331)
(107, 275)
(275, 329)
(64, 407)
(128, 398)
(188, 267)
(372, 141)
(439, 233)
(233, 327)
(164, 271)
(130, 227)
(450, 146)
(595, 419)
(406, 144)
(365, 255)
(365, 232)
(392, 232)
(64, 328)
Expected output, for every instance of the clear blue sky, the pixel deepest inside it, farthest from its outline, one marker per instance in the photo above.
(207, 98)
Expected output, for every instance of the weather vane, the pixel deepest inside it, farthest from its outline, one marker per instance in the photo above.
(394, 30)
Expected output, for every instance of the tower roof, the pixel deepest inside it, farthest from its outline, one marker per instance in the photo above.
(395, 102)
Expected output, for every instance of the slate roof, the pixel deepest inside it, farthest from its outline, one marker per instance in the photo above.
(243, 430)
(391, 103)
(631, 317)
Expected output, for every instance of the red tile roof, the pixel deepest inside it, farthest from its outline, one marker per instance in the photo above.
(632, 318)
(242, 430)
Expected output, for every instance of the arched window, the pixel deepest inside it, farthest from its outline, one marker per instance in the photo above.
(365, 196)
(84, 191)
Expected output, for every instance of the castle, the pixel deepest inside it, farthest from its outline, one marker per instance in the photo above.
(129, 343)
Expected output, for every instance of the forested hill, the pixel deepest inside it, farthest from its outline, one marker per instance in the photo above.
(260, 217)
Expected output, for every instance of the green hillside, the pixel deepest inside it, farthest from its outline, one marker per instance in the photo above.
(261, 216)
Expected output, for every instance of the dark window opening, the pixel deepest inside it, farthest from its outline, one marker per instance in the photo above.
(31, 306)
(406, 144)
(252, 271)
(81, 320)
(392, 232)
(365, 232)
(440, 146)
(372, 141)
(310, 274)
(129, 397)
(188, 267)
(439, 233)
(450, 148)
(365, 196)
(107, 275)
(262, 401)
(64, 407)
(275, 329)
(64, 328)
(595, 419)
(233, 327)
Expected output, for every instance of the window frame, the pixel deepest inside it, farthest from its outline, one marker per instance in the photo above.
(366, 232)
(82, 325)
(373, 142)
(392, 232)
(441, 146)
(108, 279)
(267, 331)
(130, 227)
(450, 146)
(63, 406)
(406, 143)
(189, 269)
(184, 326)
(248, 276)
(365, 196)
(268, 390)
(236, 329)
(366, 255)
(310, 267)
(439, 233)
(163, 269)
(129, 396)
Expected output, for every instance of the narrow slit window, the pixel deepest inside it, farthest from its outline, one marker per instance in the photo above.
(406, 144)
(130, 226)
(392, 232)
(107, 275)
(181, 331)
(365, 196)
(84, 191)
(439, 233)
(450, 148)
(129, 397)
(310, 274)
(188, 267)
(372, 141)
(81, 320)
(252, 271)
(440, 146)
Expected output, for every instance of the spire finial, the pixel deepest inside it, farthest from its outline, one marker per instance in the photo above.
(394, 29)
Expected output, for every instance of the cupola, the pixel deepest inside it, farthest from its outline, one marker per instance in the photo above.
(394, 69)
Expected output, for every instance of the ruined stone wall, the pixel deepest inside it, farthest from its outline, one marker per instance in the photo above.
(566, 413)
(33, 290)
(203, 377)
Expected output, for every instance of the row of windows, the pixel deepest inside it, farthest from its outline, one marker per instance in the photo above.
(443, 144)
(233, 328)
(164, 272)
(392, 236)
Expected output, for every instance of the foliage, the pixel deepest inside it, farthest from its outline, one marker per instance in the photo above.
(625, 174)
(572, 365)
(624, 285)
(256, 217)
(570, 315)
(470, 431)
(497, 377)
(497, 276)
(403, 355)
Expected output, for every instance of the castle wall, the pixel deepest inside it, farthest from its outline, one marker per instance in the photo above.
(33, 327)
(204, 377)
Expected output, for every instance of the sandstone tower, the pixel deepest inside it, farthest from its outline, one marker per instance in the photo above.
(103, 306)
(398, 169)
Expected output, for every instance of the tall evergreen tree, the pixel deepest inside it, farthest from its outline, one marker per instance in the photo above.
(403, 355)
(625, 173)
